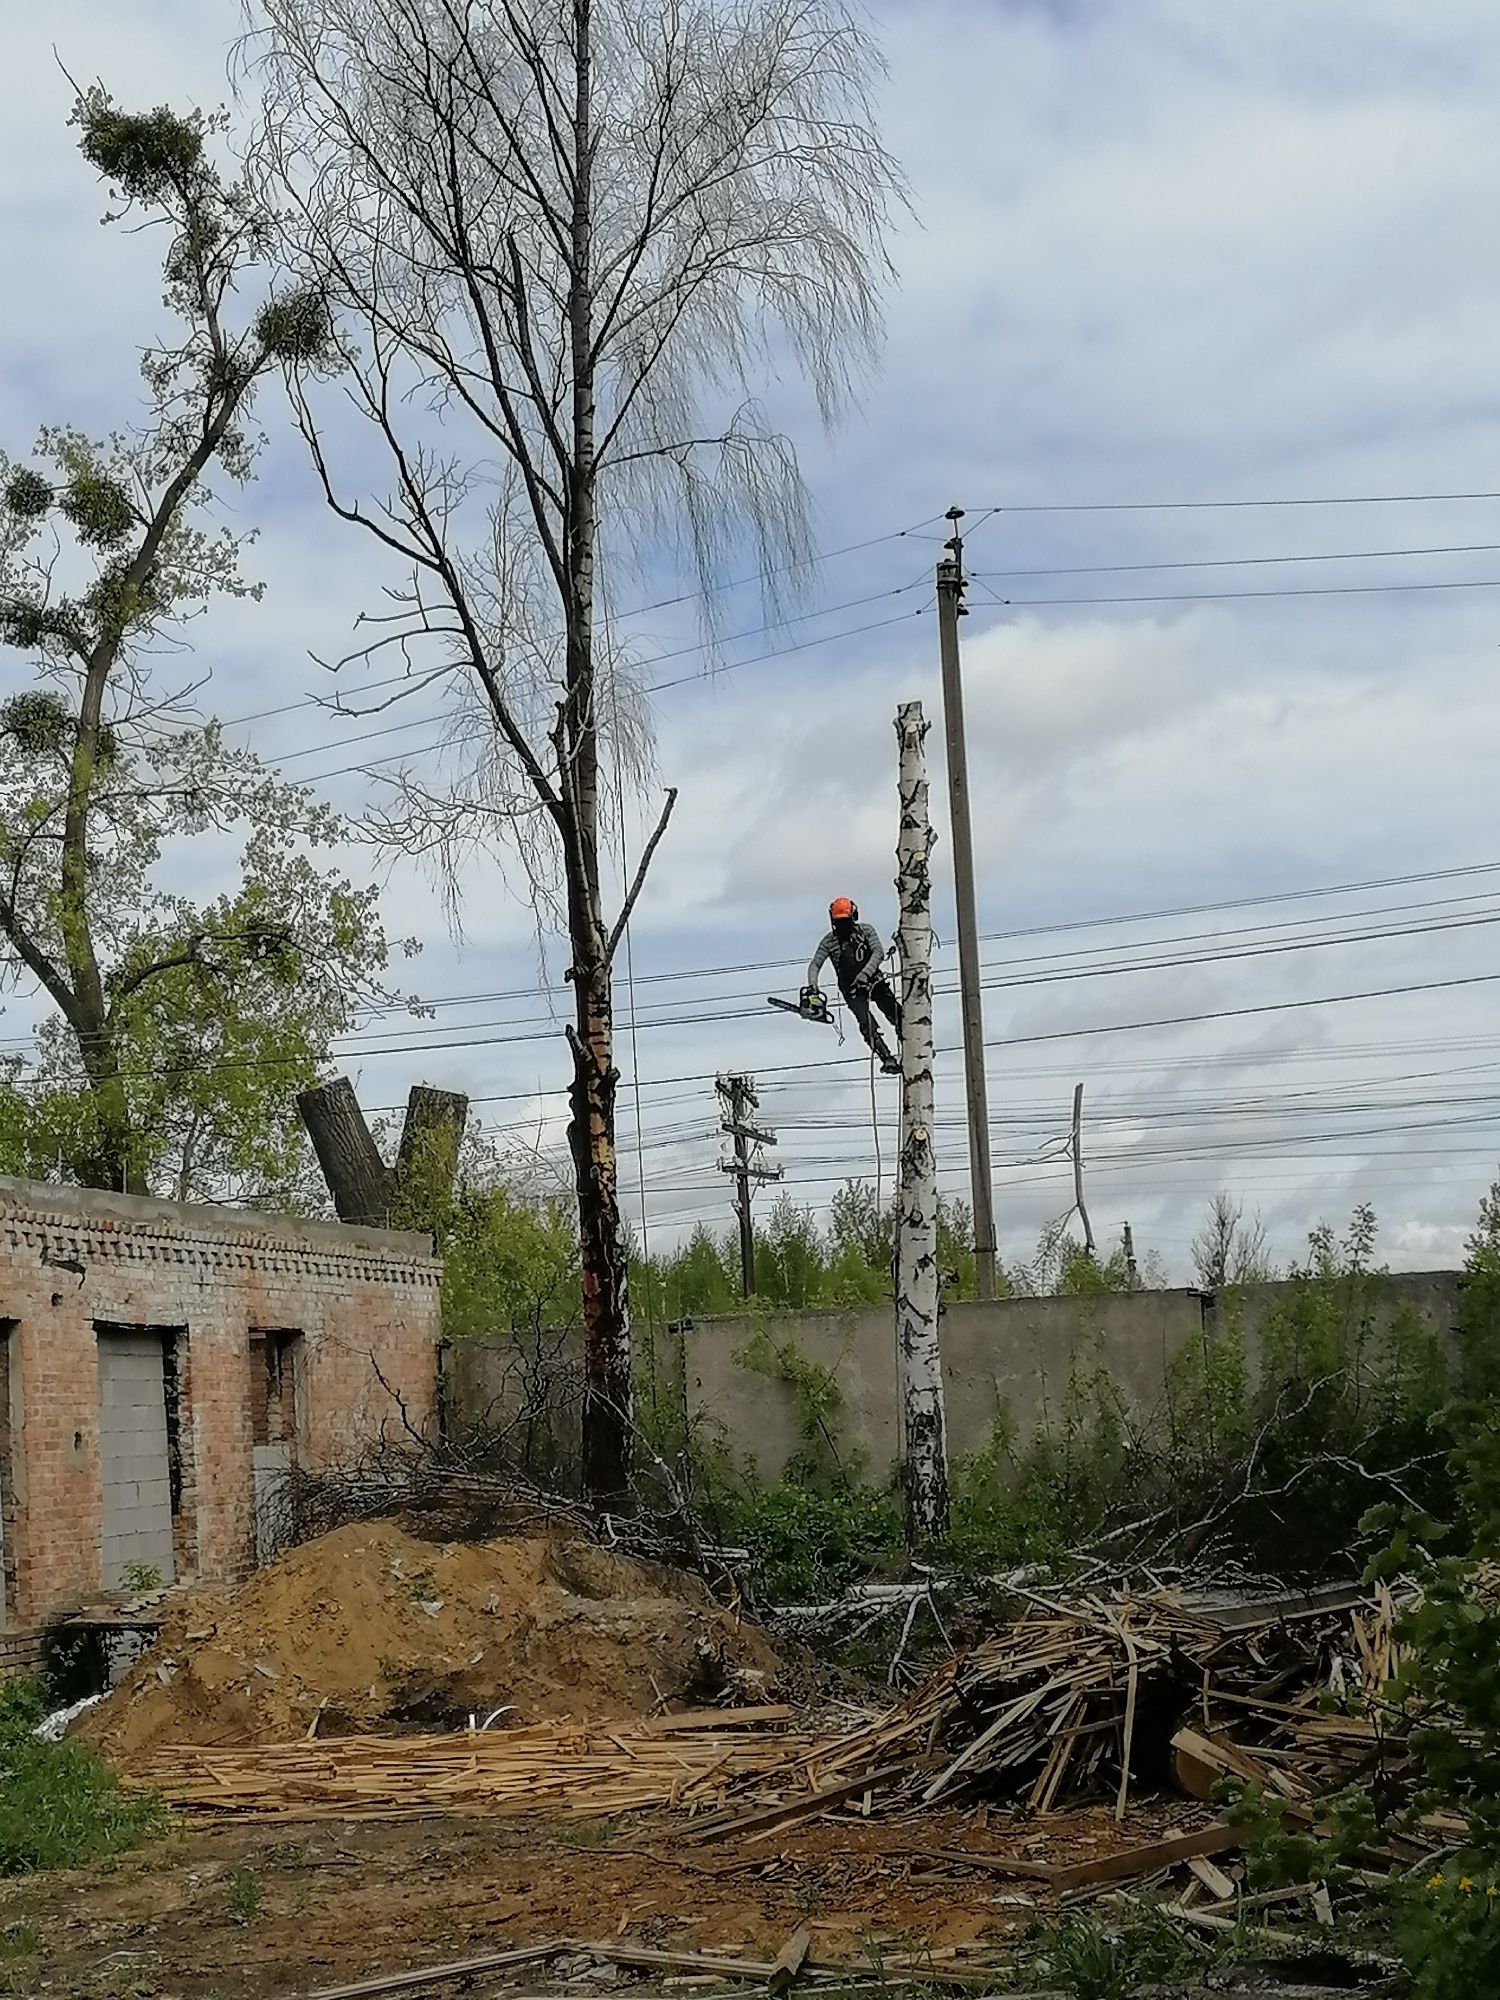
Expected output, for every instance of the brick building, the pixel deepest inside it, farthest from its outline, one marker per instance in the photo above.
(160, 1366)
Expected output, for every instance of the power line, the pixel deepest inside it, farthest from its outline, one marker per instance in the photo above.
(1186, 506)
(1230, 596)
(1464, 871)
(1243, 562)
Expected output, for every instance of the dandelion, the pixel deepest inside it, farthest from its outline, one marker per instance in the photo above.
(1434, 1881)
(1466, 1883)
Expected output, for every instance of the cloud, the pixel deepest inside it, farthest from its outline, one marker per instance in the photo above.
(1164, 252)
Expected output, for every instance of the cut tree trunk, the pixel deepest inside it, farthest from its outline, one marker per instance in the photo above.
(362, 1185)
(919, 1358)
(414, 1194)
(427, 1159)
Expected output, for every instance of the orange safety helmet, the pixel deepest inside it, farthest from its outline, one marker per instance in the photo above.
(842, 910)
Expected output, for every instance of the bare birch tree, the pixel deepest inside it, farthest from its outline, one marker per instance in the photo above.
(564, 240)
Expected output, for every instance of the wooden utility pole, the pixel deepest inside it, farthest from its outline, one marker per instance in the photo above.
(950, 601)
(918, 1353)
(1075, 1147)
(1132, 1269)
(740, 1099)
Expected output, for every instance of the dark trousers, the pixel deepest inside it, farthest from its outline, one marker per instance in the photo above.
(859, 1002)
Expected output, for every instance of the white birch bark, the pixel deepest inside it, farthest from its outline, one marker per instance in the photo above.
(918, 1356)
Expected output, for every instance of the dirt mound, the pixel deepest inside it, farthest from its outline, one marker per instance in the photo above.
(370, 1629)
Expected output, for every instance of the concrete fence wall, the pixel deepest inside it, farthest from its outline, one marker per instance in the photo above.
(1015, 1356)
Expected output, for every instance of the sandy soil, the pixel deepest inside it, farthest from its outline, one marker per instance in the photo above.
(371, 1628)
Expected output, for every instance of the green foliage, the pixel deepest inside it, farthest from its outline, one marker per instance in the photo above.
(39, 723)
(1014, 1503)
(1345, 1402)
(59, 1805)
(27, 494)
(807, 1546)
(1448, 1927)
(140, 1579)
(296, 329)
(510, 1249)
(99, 508)
(1449, 1930)
(148, 156)
(799, 1264)
(815, 1401)
(218, 1012)
(244, 1895)
(1283, 1850)
(1095, 1960)
(181, 1033)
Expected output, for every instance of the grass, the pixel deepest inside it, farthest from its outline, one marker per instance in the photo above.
(244, 1895)
(59, 1804)
(584, 1833)
(1095, 1960)
(20, 1938)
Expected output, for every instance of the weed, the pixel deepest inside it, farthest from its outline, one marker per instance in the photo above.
(1098, 1961)
(140, 1579)
(585, 1833)
(59, 1804)
(19, 1938)
(244, 1895)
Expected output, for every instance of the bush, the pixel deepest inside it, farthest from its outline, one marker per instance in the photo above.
(807, 1547)
(59, 1804)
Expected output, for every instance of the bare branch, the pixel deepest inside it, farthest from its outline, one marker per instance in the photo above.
(639, 882)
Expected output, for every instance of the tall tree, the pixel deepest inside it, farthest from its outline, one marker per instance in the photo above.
(1230, 1249)
(565, 240)
(218, 1011)
(105, 549)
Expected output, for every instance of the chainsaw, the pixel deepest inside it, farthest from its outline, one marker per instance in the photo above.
(810, 1004)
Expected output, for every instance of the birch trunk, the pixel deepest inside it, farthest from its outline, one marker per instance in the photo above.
(918, 1354)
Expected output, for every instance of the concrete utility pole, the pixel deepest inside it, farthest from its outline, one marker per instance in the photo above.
(950, 601)
(740, 1099)
(918, 1354)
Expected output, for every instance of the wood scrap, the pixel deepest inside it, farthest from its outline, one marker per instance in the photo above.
(790, 1960)
(766, 1715)
(1135, 1861)
(433, 1975)
(1052, 1705)
(1219, 1885)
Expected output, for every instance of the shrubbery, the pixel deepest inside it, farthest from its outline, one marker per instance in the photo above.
(59, 1804)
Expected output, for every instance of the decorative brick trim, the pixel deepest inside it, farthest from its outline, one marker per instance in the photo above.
(56, 1239)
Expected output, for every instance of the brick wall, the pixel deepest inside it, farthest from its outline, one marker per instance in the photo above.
(364, 1302)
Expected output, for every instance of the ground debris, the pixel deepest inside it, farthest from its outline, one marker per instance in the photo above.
(1081, 1697)
(370, 1628)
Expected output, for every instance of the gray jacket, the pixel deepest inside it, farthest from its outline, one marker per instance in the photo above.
(856, 959)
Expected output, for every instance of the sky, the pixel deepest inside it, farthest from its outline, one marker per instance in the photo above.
(1195, 316)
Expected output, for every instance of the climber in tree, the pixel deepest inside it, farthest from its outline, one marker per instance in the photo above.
(857, 955)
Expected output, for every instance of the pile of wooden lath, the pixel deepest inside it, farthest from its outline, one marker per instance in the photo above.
(686, 1760)
(1062, 1703)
